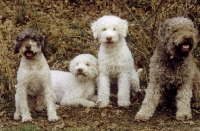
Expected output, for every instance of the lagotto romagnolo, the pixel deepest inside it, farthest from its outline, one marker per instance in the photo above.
(172, 71)
(33, 77)
(115, 60)
(76, 87)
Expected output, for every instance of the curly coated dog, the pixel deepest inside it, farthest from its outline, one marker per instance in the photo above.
(173, 70)
(33, 77)
(76, 87)
(115, 60)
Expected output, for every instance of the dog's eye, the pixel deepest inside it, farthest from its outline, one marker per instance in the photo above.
(34, 39)
(114, 29)
(104, 29)
(87, 64)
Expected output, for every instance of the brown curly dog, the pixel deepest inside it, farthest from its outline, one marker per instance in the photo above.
(172, 68)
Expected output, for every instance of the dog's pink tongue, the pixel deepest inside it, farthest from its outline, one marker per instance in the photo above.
(29, 54)
(109, 43)
(185, 47)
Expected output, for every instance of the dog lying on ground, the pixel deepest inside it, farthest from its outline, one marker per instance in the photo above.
(76, 87)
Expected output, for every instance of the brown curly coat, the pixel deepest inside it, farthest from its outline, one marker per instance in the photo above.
(172, 68)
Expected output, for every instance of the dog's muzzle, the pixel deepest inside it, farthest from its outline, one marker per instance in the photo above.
(109, 41)
(80, 72)
(29, 54)
(183, 49)
(186, 45)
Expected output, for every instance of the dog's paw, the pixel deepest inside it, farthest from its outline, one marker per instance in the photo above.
(102, 103)
(26, 118)
(53, 118)
(90, 104)
(183, 116)
(142, 117)
(123, 103)
(16, 116)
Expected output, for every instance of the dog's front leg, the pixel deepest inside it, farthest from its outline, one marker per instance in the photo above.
(183, 99)
(23, 103)
(50, 101)
(196, 90)
(103, 83)
(17, 106)
(124, 90)
(149, 103)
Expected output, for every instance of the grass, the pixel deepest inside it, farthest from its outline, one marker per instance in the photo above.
(23, 127)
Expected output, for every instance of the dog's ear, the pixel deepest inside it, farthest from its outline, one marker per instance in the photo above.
(16, 46)
(94, 27)
(43, 44)
(96, 69)
(71, 66)
(124, 26)
(163, 30)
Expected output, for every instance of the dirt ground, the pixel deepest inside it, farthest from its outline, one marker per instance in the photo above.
(109, 118)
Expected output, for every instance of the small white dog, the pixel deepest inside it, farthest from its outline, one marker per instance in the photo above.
(33, 77)
(115, 60)
(76, 87)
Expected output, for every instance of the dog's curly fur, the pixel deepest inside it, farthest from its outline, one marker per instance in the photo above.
(33, 77)
(172, 69)
(115, 60)
(76, 87)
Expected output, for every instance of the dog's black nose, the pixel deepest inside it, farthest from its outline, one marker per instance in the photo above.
(80, 70)
(109, 38)
(28, 47)
(188, 39)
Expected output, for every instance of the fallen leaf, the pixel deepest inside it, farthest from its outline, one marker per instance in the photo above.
(87, 110)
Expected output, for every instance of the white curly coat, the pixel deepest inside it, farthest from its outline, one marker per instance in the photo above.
(76, 87)
(33, 79)
(115, 60)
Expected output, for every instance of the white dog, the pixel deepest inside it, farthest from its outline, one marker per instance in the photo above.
(115, 60)
(76, 87)
(33, 77)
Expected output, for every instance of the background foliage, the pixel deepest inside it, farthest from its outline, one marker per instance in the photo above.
(66, 26)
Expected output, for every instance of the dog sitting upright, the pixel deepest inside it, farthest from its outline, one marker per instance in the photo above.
(172, 71)
(33, 77)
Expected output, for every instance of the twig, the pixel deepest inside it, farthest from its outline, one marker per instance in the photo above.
(134, 17)
(53, 19)
(161, 3)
